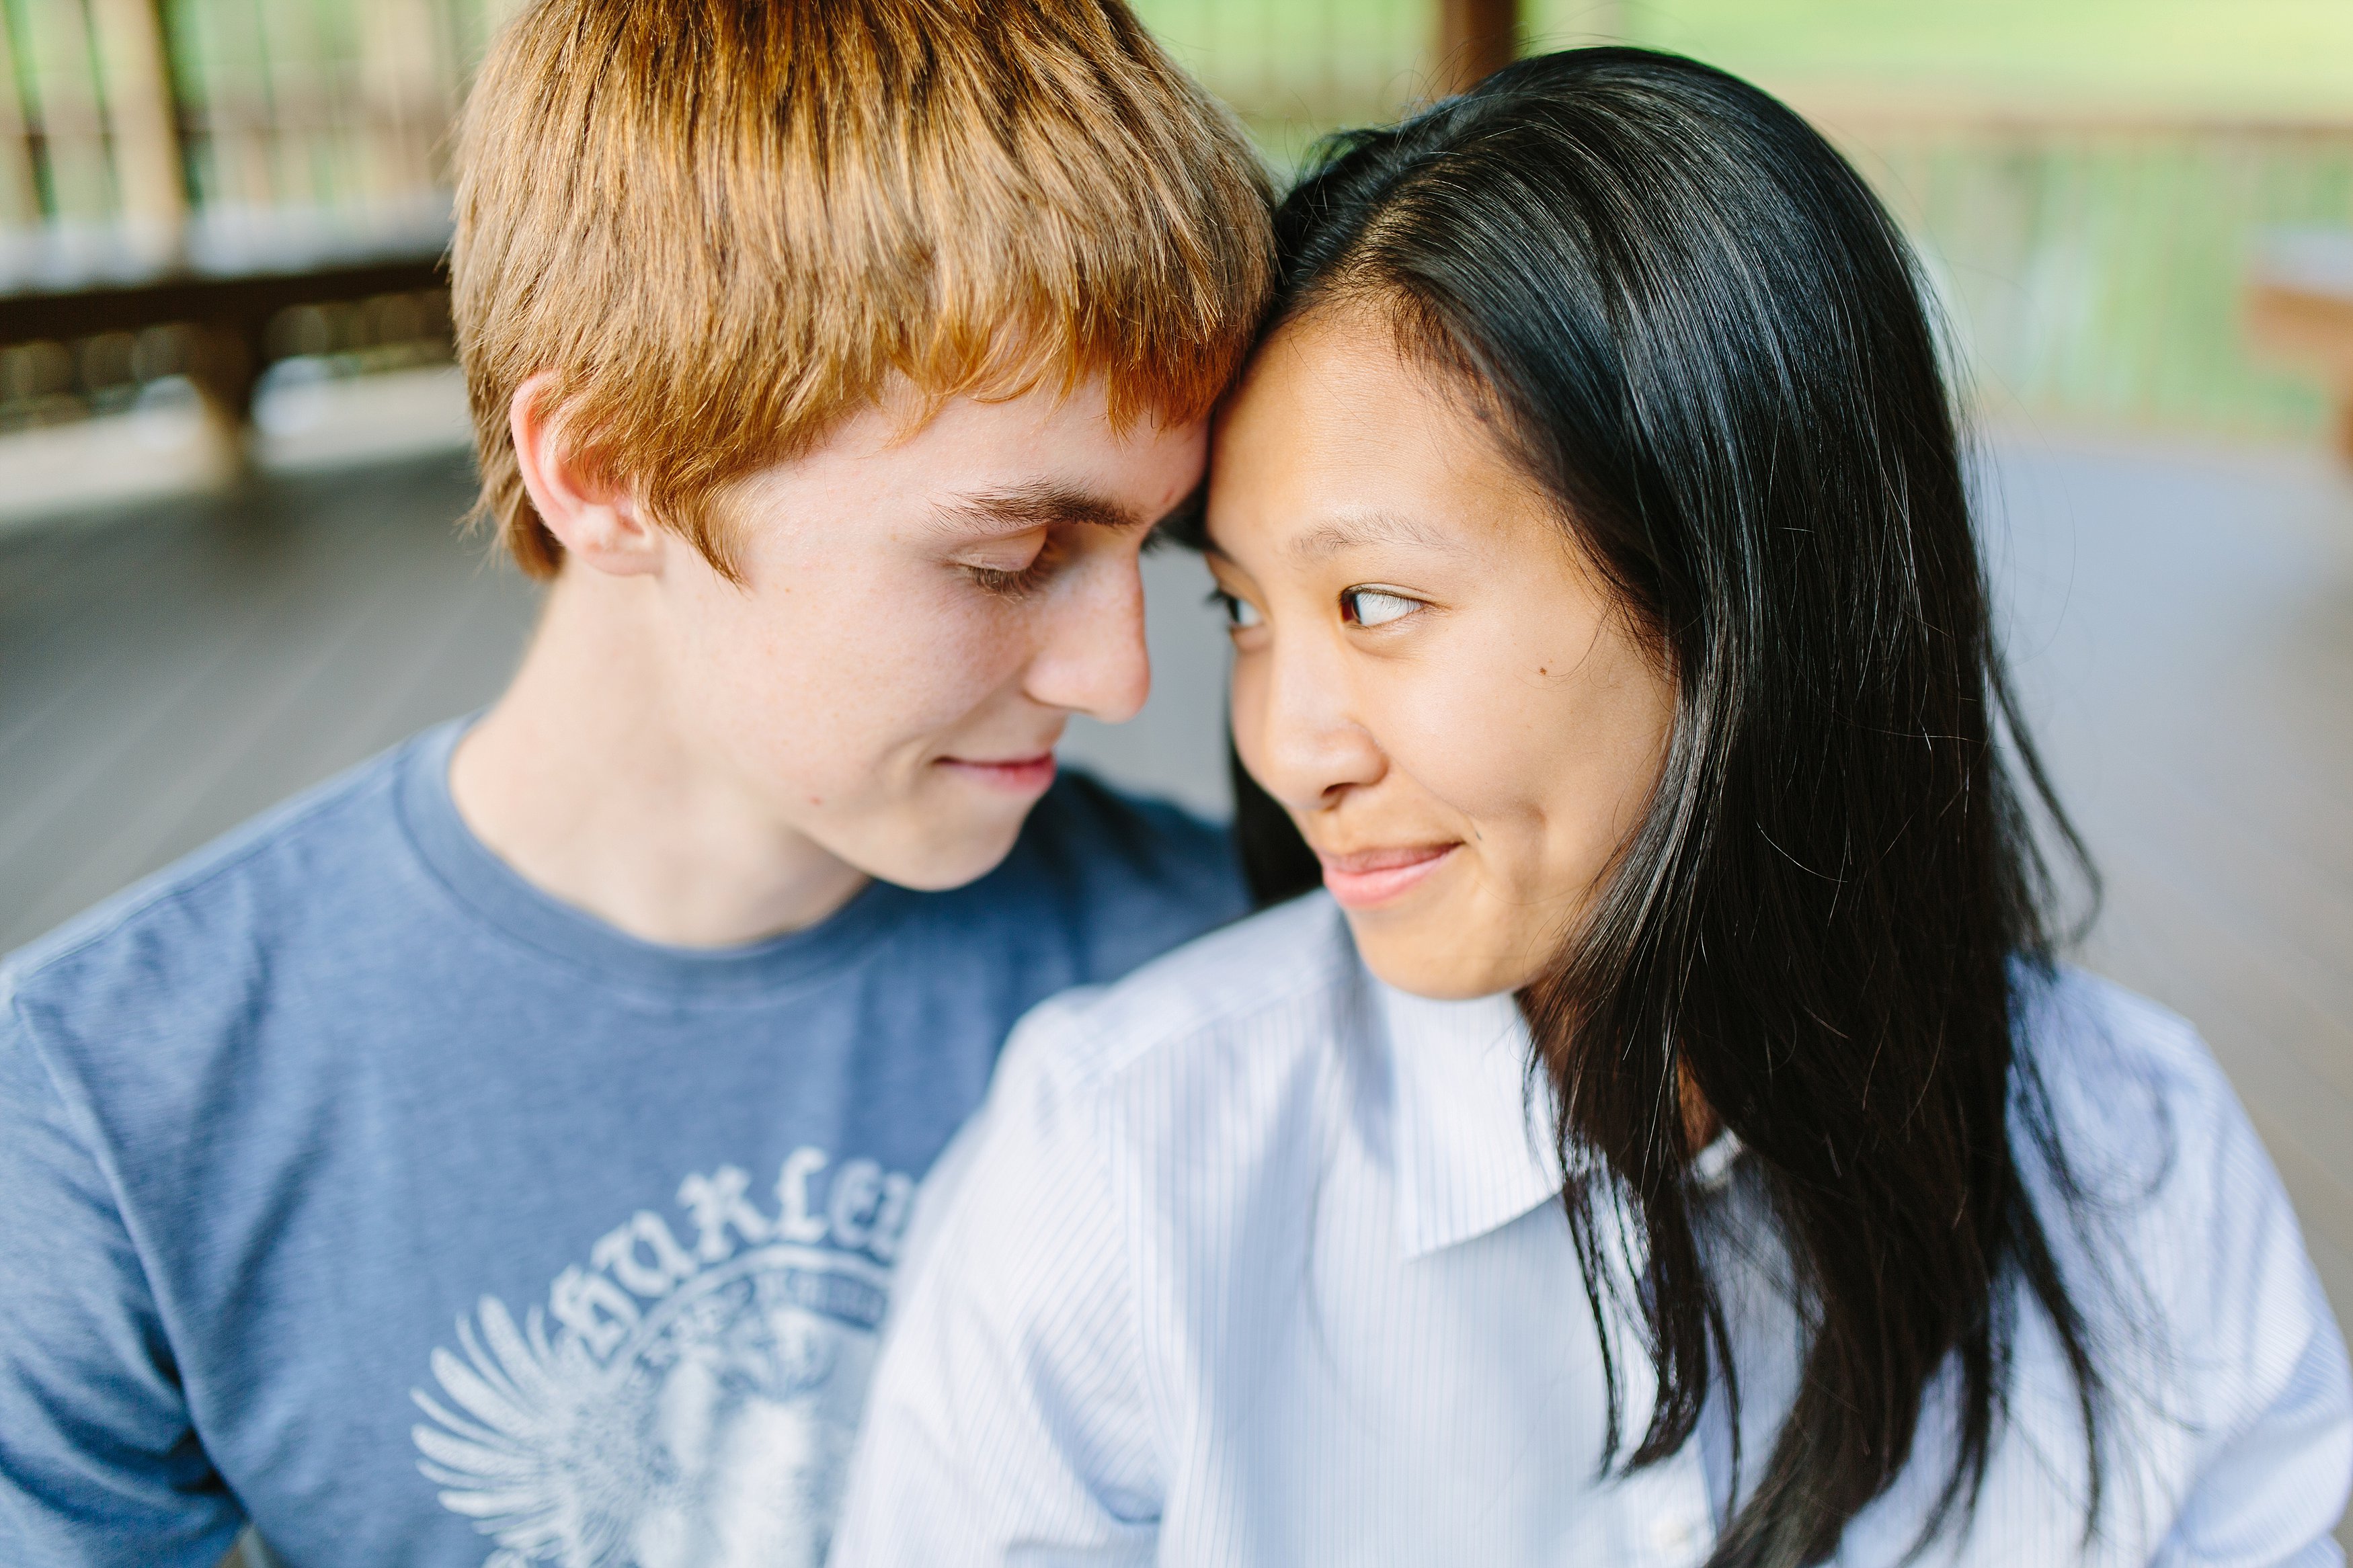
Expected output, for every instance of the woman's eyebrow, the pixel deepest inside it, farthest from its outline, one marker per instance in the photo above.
(1359, 529)
(1034, 505)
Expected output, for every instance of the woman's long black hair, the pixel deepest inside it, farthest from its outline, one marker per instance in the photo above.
(1706, 336)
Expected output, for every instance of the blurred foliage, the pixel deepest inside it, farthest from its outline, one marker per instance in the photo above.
(2098, 272)
(1295, 68)
(2262, 58)
(2088, 180)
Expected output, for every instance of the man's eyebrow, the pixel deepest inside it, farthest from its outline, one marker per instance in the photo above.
(1356, 530)
(1036, 506)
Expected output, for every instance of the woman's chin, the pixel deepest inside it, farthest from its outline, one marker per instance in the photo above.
(1427, 954)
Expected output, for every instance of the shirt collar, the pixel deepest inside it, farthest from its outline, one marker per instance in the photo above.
(1472, 1133)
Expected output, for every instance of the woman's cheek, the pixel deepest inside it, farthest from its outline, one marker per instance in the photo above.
(1247, 698)
(1456, 741)
(1513, 766)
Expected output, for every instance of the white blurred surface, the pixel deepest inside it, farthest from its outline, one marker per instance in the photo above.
(165, 445)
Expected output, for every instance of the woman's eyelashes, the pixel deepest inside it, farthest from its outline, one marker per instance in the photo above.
(1241, 614)
(1375, 607)
(1366, 607)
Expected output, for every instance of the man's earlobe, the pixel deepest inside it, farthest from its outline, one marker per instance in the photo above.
(596, 519)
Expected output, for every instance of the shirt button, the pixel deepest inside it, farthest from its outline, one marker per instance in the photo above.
(1674, 1532)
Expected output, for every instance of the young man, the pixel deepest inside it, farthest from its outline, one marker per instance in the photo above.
(499, 1155)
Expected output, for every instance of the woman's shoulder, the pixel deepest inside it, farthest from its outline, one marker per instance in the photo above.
(1191, 1060)
(2143, 1117)
(1282, 978)
(2119, 1069)
(2160, 1169)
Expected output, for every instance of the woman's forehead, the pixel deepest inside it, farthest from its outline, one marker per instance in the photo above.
(1336, 441)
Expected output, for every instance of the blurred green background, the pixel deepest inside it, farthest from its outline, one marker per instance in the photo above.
(2091, 183)
(2206, 56)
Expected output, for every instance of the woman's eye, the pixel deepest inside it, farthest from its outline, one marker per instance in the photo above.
(1374, 606)
(1241, 614)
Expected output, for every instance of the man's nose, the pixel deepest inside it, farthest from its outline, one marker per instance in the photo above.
(1091, 658)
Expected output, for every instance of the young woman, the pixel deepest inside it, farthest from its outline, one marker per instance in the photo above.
(1671, 1140)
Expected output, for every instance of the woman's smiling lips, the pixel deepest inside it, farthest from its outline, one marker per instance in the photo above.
(1361, 879)
(1016, 776)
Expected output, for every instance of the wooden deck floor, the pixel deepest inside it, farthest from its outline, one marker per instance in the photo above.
(2183, 627)
(165, 674)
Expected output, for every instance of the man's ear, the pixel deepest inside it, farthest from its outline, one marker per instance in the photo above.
(597, 521)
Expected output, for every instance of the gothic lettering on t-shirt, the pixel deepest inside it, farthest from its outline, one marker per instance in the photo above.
(692, 1394)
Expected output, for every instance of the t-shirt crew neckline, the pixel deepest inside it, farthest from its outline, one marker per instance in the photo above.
(496, 893)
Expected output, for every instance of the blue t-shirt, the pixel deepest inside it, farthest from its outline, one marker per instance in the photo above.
(354, 1186)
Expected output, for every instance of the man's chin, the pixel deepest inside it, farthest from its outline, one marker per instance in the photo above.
(934, 861)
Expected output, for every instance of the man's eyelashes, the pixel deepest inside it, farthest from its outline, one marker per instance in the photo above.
(1010, 582)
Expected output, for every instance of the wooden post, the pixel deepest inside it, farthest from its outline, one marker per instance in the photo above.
(401, 78)
(20, 187)
(143, 115)
(1475, 39)
(225, 367)
(2300, 310)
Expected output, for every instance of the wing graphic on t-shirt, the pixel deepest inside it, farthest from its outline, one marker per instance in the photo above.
(544, 1459)
(673, 1406)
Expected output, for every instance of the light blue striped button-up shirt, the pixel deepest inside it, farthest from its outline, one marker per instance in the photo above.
(1252, 1259)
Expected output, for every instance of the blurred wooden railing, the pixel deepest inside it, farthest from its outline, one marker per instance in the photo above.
(195, 189)
(176, 176)
(2300, 311)
(1297, 68)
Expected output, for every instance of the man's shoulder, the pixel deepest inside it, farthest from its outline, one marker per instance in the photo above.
(1134, 876)
(215, 915)
(1085, 824)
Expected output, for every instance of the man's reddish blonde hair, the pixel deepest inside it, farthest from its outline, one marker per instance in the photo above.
(720, 226)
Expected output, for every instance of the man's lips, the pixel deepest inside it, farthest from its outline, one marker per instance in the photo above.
(1021, 775)
(1365, 878)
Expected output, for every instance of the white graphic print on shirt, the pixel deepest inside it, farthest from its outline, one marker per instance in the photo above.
(694, 1401)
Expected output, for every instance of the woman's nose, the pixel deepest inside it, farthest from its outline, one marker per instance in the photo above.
(1296, 728)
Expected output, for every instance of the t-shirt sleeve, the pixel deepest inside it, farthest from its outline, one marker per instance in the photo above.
(98, 1464)
(1007, 1420)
